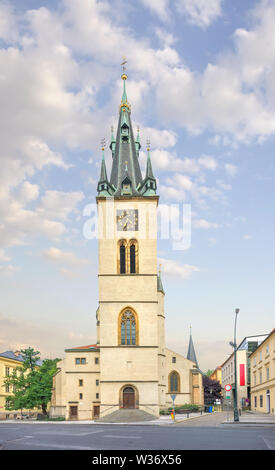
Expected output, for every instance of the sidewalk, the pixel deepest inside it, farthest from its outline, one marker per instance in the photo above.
(251, 417)
(161, 421)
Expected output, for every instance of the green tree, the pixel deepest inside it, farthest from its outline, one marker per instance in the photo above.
(209, 372)
(31, 383)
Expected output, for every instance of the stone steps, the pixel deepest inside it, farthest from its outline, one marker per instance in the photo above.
(127, 416)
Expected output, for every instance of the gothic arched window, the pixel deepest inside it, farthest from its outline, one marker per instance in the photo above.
(174, 382)
(127, 328)
(132, 258)
(122, 257)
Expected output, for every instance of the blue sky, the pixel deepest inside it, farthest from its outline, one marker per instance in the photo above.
(201, 85)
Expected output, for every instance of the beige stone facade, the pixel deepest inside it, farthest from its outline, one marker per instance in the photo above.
(263, 376)
(133, 369)
(147, 367)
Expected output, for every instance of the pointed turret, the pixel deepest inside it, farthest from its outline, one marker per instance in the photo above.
(159, 285)
(149, 184)
(104, 187)
(138, 142)
(191, 355)
(113, 142)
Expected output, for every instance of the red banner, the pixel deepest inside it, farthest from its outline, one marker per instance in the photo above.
(242, 375)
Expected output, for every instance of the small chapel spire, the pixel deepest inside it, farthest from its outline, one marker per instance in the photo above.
(103, 187)
(191, 355)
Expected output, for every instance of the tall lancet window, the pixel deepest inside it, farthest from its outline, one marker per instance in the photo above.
(132, 258)
(127, 328)
(174, 382)
(122, 258)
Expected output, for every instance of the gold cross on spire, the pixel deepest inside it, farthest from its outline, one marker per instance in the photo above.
(123, 63)
(103, 143)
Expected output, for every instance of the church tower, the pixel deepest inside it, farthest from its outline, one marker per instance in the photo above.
(130, 316)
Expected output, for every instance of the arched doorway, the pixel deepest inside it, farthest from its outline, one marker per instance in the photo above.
(129, 397)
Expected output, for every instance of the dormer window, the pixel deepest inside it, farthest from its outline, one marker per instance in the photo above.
(126, 186)
(124, 133)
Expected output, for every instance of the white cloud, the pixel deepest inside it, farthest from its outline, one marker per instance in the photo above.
(28, 192)
(67, 262)
(174, 268)
(247, 237)
(204, 224)
(231, 169)
(200, 12)
(59, 204)
(8, 269)
(63, 257)
(159, 7)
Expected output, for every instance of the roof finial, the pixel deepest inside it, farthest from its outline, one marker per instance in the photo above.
(103, 143)
(148, 144)
(123, 63)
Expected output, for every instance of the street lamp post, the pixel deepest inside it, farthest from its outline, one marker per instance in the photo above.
(236, 412)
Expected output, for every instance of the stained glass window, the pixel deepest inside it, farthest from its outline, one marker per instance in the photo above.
(128, 328)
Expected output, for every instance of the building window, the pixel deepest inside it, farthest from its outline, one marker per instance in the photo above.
(97, 395)
(261, 401)
(173, 359)
(122, 258)
(80, 383)
(261, 377)
(127, 257)
(80, 396)
(267, 373)
(97, 382)
(96, 360)
(174, 382)
(267, 349)
(260, 355)
(255, 402)
(7, 388)
(127, 328)
(80, 360)
(7, 371)
(132, 258)
(254, 379)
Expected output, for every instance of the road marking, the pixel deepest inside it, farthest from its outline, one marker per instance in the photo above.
(59, 446)
(67, 433)
(267, 442)
(123, 437)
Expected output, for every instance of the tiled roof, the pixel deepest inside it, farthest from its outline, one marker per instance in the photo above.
(14, 357)
(11, 355)
(83, 348)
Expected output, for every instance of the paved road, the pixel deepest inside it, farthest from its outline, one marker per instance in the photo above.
(205, 433)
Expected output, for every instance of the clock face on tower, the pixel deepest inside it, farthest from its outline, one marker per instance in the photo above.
(127, 219)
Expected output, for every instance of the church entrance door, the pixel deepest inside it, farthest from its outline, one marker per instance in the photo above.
(128, 397)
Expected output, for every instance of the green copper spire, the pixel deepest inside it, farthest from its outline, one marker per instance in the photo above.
(103, 187)
(124, 94)
(149, 184)
(113, 142)
(126, 179)
(138, 142)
